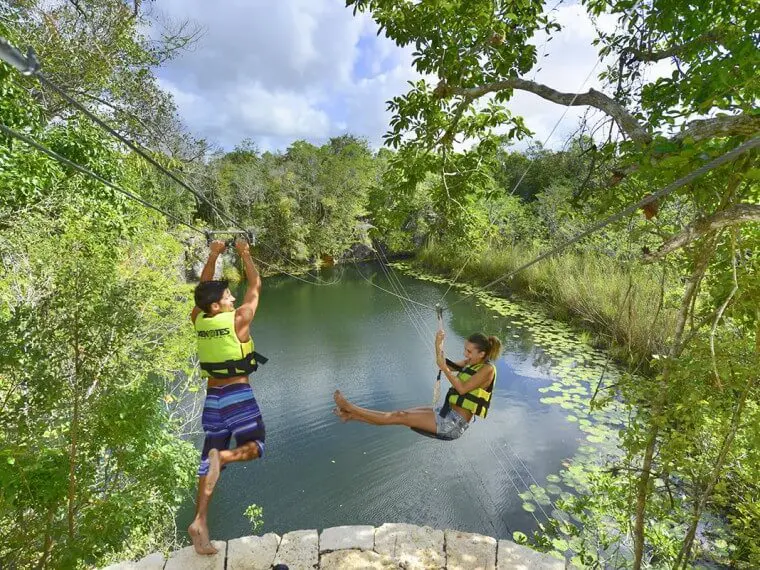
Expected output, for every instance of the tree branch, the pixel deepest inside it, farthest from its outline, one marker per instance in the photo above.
(78, 8)
(712, 37)
(721, 309)
(738, 214)
(701, 129)
(448, 136)
(724, 126)
(625, 120)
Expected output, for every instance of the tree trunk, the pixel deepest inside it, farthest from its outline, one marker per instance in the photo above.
(74, 429)
(642, 488)
(48, 542)
(683, 555)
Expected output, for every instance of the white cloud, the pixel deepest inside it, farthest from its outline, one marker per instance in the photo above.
(280, 71)
(264, 70)
(567, 63)
(279, 114)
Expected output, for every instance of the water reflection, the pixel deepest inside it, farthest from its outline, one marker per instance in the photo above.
(320, 473)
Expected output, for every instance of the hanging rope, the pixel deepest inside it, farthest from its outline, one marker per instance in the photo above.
(399, 285)
(451, 284)
(508, 473)
(404, 305)
(437, 386)
(402, 297)
(407, 303)
(567, 108)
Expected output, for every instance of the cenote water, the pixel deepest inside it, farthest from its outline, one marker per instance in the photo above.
(319, 473)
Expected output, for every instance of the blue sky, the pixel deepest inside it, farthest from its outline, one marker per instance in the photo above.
(275, 72)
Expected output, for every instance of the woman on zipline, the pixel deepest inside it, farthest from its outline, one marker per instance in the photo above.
(470, 393)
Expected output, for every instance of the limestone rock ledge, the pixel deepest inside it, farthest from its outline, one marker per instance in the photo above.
(391, 546)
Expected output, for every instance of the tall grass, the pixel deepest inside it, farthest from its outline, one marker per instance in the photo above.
(620, 304)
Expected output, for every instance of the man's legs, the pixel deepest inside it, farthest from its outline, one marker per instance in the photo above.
(243, 419)
(198, 530)
(233, 411)
(420, 418)
(217, 438)
(244, 452)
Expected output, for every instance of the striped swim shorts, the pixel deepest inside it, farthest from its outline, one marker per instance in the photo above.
(230, 411)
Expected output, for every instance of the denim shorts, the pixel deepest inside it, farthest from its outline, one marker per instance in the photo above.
(452, 426)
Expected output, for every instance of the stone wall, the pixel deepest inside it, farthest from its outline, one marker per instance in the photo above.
(390, 546)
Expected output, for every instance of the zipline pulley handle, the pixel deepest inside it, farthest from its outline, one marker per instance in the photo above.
(248, 235)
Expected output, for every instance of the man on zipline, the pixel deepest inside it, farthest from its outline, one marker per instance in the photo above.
(225, 352)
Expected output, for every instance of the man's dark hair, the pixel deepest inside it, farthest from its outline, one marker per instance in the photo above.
(208, 292)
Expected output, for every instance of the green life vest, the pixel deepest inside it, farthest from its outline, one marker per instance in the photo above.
(476, 401)
(220, 352)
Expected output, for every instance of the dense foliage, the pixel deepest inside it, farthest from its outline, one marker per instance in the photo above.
(690, 420)
(94, 343)
(95, 348)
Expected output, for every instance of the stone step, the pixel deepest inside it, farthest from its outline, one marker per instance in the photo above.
(391, 546)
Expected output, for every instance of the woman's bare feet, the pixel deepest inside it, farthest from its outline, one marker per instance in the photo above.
(341, 402)
(342, 414)
(198, 532)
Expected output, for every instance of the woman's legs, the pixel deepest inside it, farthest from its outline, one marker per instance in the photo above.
(420, 418)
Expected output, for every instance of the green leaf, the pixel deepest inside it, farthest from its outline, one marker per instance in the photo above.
(560, 544)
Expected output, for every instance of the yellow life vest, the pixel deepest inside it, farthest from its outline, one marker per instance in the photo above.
(476, 401)
(220, 352)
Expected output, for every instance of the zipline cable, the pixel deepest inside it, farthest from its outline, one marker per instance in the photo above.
(136, 148)
(30, 66)
(87, 172)
(716, 162)
(530, 164)
(63, 160)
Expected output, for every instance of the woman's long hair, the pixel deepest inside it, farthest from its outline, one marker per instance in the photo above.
(488, 344)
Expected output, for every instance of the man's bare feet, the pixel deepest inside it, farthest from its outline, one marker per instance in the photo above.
(342, 414)
(214, 469)
(198, 532)
(342, 403)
